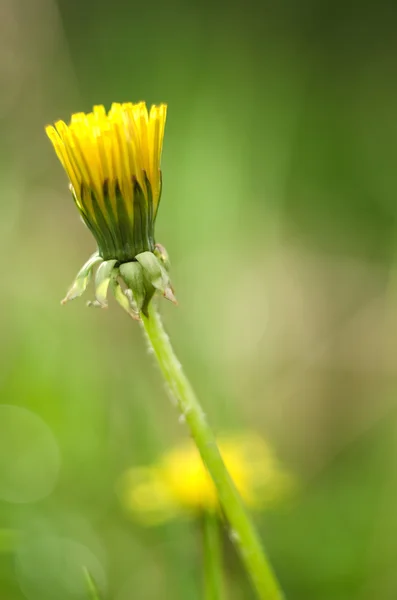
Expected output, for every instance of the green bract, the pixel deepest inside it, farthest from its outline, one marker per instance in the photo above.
(132, 283)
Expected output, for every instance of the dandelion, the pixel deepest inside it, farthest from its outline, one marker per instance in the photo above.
(112, 161)
(179, 484)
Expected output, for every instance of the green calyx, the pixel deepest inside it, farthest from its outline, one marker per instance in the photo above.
(122, 229)
(133, 283)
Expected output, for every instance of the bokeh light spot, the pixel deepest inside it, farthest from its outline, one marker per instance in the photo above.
(29, 456)
(50, 568)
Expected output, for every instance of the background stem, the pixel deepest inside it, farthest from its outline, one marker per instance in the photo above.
(212, 557)
(242, 532)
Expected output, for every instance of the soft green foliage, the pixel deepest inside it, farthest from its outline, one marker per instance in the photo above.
(278, 213)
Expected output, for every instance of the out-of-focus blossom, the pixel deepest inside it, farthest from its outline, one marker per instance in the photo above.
(179, 483)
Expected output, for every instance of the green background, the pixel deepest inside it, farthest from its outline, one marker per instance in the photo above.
(278, 212)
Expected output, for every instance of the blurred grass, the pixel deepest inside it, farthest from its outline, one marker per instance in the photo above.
(279, 215)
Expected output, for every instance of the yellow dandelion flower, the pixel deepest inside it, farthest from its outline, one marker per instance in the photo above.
(179, 482)
(113, 164)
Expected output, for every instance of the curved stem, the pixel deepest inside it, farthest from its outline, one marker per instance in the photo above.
(212, 559)
(242, 532)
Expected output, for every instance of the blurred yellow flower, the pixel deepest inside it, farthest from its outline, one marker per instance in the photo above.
(179, 482)
(113, 164)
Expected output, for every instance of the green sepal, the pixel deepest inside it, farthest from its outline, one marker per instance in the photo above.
(140, 220)
(102, 280)
(156, 274)
(126, 251)
(82, 278)
(153, 269)
(132, 275)
(123, 299)
(96, 221)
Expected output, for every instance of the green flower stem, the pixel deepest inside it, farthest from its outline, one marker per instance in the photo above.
(242, 532)
(212, 543)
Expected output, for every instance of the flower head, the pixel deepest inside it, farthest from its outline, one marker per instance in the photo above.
(113, 164)
(179, 483)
